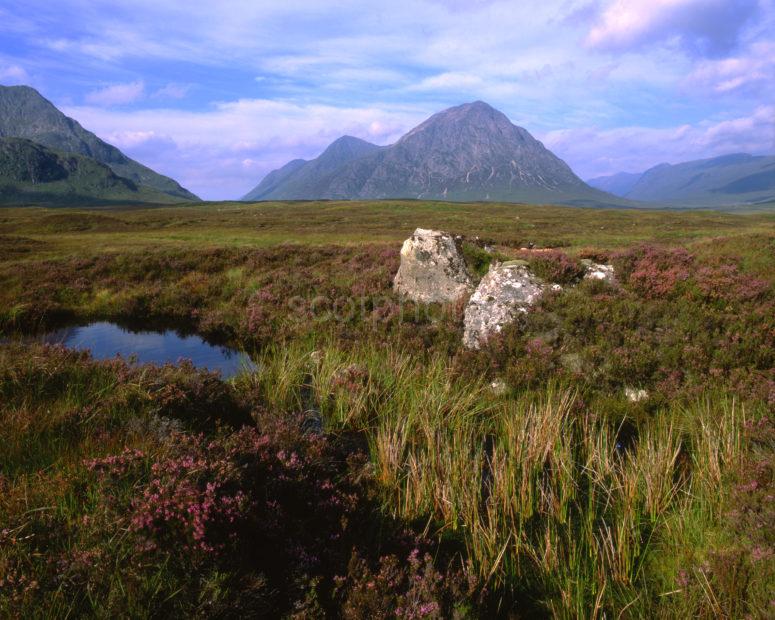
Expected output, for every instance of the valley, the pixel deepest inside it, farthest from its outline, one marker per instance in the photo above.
(419, 310)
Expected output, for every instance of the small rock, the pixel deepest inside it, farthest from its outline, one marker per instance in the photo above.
(635, 395)
(432, 268)
(498, 387)
(507, 290)
(597, 271)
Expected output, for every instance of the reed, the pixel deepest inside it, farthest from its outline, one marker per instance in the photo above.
(543, 495)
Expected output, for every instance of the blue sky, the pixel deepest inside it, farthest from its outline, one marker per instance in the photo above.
(216, 94)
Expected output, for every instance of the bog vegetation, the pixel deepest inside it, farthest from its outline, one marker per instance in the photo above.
(610, 456)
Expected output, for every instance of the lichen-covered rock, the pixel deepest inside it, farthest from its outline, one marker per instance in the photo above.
(507, 290)
(597, 271)
(432, 268)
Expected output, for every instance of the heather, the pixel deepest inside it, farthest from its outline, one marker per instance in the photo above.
(146, 513)
(370, 468)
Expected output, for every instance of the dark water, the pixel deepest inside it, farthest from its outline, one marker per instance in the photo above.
(106, 340)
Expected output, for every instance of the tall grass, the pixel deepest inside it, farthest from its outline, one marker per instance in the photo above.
(550, 503)
(546, 498)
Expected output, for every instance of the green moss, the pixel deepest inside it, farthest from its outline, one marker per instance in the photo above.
(477, 259)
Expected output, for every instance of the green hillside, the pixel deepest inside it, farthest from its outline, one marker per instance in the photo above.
(25, 113)
(33, 173)
(729, 180)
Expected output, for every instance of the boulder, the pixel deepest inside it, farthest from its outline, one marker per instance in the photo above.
(597, 271)
(507, 290)
(635, 395)
(432, 268)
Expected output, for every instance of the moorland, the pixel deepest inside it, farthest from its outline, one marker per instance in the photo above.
(608, 456)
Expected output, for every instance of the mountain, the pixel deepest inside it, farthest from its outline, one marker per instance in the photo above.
(469, 152)
(272, 180)
(31, 172)
(24, 113)
(618, 184)
(736, 179)
(301, 179)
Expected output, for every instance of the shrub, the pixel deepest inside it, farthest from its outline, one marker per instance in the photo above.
(411, 588)
(477, 259)
(554, 266)
(654, 272)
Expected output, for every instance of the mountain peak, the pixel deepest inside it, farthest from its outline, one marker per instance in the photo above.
(347, 145)
(347, 139)
(17, 102)
(299, 178)
(476, 114)
(466, 152)
(476, 106)
(472, 111)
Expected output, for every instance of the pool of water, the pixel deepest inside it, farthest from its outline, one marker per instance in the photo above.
(106, 340)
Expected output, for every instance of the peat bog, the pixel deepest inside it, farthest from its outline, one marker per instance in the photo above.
(419, 491)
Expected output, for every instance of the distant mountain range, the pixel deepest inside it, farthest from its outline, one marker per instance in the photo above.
(737, 179)
(470, 152)
(467, 153)
(25, 113)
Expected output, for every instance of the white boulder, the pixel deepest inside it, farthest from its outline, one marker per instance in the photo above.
(598, 271)
(432, 268)
(507, 290)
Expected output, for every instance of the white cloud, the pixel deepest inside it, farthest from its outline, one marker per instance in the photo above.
(586, 66)
(173, 91)
(750, 133)
(511, 54)
(449, 81)
(706, 26)
(348, 41)
(754, 70)
(117, 94)
(593, 152)
(14, 74)
(130, 139)
(627, 21)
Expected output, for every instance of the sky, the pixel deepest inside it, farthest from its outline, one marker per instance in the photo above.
(217, 94)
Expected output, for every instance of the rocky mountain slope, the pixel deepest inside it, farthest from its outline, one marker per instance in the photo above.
(31, 172)
(735, 179)
(25, 113)
(302, 179)
(469, 152)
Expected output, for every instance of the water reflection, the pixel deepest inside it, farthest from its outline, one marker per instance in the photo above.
(106, 340)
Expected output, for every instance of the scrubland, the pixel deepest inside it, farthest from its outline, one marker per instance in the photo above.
(372, 467)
